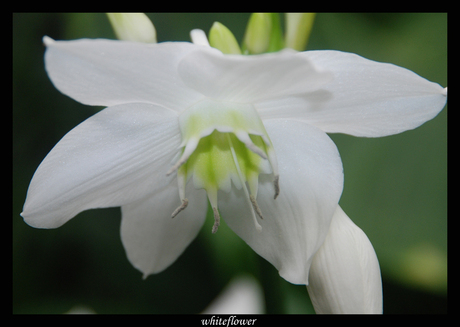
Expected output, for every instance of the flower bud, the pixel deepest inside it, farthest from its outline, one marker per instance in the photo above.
(258, 31)
(220, 37)
(133, 27)
(298, 29)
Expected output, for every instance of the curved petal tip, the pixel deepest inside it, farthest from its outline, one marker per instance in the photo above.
(47, 40)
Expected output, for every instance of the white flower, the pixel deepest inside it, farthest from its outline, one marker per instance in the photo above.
(185, 122)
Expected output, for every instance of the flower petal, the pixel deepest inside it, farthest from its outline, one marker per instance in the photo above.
(295, 224)
(243, 295)
(345, 273)
(248, 79)
(152, 239)
(117, 156)
(108, 72)
(365, 98)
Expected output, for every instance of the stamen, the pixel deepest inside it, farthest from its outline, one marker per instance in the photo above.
(245, 189)
(216, 220)
(189, 148)
(180, 208)
(244, 137)
(256, 150)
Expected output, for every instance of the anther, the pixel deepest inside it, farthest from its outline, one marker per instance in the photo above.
(276, 183)
(256, 206)
(180, 208)
(216, 220)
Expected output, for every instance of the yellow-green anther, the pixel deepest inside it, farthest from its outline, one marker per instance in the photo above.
(298, 30)
(220, 37)
(133, 27)
(258, 31)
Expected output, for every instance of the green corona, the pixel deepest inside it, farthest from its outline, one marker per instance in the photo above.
(224, 144)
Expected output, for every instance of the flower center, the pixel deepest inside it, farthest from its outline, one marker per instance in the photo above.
(224, 144)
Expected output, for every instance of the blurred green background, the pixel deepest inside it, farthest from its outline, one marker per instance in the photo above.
(395, 187)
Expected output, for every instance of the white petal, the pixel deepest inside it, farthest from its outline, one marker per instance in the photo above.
(108, 72)
(246, 79)
(365, 98)
(152, 239)
(243, 295)
(117, 156)
(296, 223)
(345, 273)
